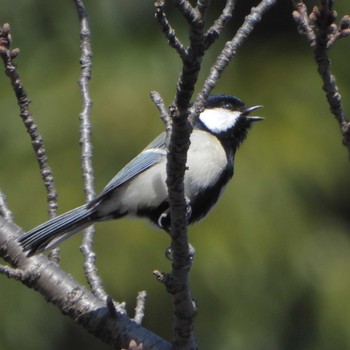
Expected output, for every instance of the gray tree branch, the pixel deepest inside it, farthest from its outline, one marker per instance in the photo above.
(177, 282)
(8, 55)
(321, 31)
(86, 247)
(5, 212)
(230, 49)
(70, 297)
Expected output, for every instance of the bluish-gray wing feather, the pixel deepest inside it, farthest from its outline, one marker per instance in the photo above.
(56, 229)
(50, 233)
(149, 157)
(158, 142)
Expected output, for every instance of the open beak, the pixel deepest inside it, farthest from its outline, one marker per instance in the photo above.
(247, 111)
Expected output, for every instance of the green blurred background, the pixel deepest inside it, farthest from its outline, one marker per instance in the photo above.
(272, 268)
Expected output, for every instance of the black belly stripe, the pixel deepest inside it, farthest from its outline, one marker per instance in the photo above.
(208, 198)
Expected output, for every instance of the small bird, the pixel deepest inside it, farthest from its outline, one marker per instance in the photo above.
(140, 190)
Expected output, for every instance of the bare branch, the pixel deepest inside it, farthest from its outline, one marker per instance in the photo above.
(32, 129)
(216, 29)
(321, 20)
(140, 306)
(202, 7)
(90, 268)
(342, 31)
(231, 48)
(5, 212)
(8, 56)
(11, 272)
(85, 116)
(186, 10)
(164, 115)
(162, 277)
(177, 283)
(190, 70)
(321, 26)
(71, 298)
(183, 328)
(302, 19)
(168, 31)
(184, 311)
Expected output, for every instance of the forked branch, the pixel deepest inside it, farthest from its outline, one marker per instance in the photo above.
(230, 49)
(177, 282)
(322, 31)
(8, 55)
(70, 297)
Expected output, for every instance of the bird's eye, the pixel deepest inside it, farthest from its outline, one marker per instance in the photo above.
(227, 105)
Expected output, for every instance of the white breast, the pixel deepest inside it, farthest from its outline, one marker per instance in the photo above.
(206, 159)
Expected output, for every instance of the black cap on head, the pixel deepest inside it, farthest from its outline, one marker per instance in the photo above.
(225, 101)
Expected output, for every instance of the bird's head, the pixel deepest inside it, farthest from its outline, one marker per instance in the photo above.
(228, 118)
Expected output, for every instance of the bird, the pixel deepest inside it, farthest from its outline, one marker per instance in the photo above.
(139, 189)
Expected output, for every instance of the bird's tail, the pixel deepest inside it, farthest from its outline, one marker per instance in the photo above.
(47, 235)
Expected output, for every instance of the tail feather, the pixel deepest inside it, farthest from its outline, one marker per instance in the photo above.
(47, 235)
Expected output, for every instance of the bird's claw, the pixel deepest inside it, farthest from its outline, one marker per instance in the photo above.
(164, 218)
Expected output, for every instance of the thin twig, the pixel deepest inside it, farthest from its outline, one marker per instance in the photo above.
(342, 31)
(5, 212)
(216, 29)
(90, 269)
(187, 11)
(325, 18)
(231, 48)
(140, 306)
(7, 56)
(164, 115)
(202, 7)
(31, 127)
(302, 19)
(85, 116)
(321, 32)
(168, 30)
(11, 272)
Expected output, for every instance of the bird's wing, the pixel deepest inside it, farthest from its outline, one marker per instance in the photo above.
(149, 157)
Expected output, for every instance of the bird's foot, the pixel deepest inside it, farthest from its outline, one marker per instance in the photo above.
(164, 219)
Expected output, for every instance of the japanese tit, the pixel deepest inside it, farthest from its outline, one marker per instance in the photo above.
(139, 189)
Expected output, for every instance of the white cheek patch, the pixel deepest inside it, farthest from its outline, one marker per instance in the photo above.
(219, 119)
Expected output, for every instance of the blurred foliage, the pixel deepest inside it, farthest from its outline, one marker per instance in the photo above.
(273, 259)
